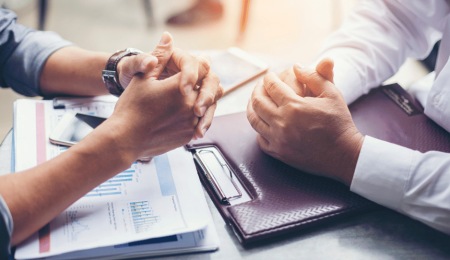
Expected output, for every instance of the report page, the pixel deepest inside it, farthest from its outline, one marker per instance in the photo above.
(148, 200)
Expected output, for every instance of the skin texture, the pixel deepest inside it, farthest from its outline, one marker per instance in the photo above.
(155, 114)
(302, 119)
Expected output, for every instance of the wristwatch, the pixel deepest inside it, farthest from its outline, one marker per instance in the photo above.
(110, 75)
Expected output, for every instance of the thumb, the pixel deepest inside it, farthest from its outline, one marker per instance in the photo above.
(314, 81)
(130, 66)
(325, 68)
(163, 52)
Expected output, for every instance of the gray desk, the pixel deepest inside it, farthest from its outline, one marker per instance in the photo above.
(382, 234)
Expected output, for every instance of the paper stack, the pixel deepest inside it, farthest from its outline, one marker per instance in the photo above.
(150, 209)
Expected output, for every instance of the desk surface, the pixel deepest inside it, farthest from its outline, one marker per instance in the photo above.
(382, 234)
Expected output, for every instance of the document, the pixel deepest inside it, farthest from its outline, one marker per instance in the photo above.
(159, 199)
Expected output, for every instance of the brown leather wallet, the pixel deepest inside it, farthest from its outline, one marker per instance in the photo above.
(286, 200)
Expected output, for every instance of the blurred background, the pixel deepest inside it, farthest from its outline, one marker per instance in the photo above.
(290, 29)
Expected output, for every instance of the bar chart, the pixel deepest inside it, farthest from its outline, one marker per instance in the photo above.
(143, 216)
(115, 185)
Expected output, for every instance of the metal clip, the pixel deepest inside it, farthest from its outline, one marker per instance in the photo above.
(212, 178)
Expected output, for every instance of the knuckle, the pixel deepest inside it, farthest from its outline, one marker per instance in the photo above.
(220, 91)
(209, 97)
(204, 63)
(335, 91)
(284, 100)
(214, 76)
(159, 53)
(316, 77)
(189, 65)
(259, 126)
(188, 59)
(293, 108)
(251, 119)
(191, 75)
(204, 56)
(269, 85)
(191, 57)
(256, 102)
(285, 73)
(283, 126)
(265, 147)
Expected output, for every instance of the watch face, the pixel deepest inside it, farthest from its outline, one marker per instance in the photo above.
(134, 51)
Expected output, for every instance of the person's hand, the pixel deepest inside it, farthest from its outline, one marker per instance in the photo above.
(315, 134)
(152, 116)
(288, 77)
(195, 74)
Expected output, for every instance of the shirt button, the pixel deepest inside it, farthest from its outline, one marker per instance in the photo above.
(436, 100)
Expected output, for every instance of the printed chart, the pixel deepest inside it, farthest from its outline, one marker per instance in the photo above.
(143, 216)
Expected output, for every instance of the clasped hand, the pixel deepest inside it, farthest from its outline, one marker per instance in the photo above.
(170, 98)
(302, 119)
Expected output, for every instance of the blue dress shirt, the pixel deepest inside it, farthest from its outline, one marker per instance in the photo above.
(23, 53)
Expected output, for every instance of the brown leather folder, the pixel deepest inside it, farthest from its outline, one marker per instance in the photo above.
(284, 199)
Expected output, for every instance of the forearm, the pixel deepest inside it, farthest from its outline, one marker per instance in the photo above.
(38, 195)
(74, 71)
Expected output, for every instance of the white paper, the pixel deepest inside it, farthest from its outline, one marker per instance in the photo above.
(201, 240)
(149, 200)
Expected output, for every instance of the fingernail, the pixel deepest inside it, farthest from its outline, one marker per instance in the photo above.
(165, 39)
(204, 131)
(202, 110)
(187, 89)
(195, 138)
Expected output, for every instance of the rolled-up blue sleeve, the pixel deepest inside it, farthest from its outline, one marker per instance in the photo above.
(6, 228)
(23, 53)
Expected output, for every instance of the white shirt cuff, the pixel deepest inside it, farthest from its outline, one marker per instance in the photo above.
(382, 172)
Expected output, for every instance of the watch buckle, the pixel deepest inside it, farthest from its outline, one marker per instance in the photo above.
(108, 74)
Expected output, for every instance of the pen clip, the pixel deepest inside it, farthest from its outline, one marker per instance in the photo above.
(211, 176)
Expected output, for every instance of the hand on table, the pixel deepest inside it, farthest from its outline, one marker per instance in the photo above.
(195, 74)
(306, 124)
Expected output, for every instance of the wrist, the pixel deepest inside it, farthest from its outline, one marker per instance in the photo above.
(110, 74)
(351, 155)
(124, 138)
(109, 140)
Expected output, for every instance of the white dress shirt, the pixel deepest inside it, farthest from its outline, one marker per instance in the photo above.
(369, 48)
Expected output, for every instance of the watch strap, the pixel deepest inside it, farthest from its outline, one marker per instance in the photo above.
(110, 75)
